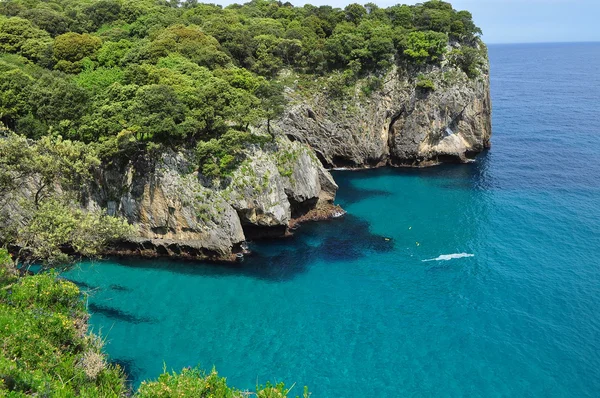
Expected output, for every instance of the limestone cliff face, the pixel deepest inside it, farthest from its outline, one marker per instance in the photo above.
(405, 122)
(398, 124)
(178, 213)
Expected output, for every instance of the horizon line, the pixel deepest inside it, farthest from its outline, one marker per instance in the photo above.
(543, 42)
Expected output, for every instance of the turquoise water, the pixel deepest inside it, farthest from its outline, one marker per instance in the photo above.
(351, 314)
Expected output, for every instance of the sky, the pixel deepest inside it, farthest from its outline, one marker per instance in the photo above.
(512, 21)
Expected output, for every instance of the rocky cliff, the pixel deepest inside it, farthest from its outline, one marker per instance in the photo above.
(416, 117)
(178, 212)
(404, 122)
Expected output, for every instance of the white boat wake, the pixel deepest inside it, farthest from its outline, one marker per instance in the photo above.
(446, 257)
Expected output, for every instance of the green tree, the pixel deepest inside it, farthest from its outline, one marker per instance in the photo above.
(402, 16)
(355, 13)
(55, 225)
(268, 63)
(192, 43)
(101, 12)
(20, 36)
(44, 165)
(272, 101)
(47, 19)
(422, 47)
(14, 96)
(111, 113)
(99, 79)
(57, 101)
(218, 106)
(112, 53)
(70, 48)
(468, 59)
(157, 111)
(43, 177)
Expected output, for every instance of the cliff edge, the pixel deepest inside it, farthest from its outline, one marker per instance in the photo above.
(178, 212)
(418, 117)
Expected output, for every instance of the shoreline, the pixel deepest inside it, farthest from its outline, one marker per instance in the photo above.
(143, 248)
(146, 248)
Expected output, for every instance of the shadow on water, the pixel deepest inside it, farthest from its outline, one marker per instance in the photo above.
(352, 193)
(120, 288)
(115, 313)
(278, 260)
(82, 285)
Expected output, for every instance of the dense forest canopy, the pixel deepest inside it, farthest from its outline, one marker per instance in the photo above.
(123, 71)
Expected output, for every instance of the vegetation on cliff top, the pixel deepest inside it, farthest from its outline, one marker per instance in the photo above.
(171, 72)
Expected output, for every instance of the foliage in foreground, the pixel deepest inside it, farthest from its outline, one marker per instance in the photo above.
(197, 383)
(46, 350)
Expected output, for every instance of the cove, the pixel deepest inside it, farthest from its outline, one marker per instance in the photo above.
(353, 308)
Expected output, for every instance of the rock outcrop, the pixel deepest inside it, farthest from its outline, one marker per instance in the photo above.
(178, 213)
(398, 124)
(415, 118)
(405, 122)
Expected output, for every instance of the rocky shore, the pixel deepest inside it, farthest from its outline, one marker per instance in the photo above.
(399, 125)
(179, 213)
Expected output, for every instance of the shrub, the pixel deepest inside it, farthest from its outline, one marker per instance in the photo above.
(468, 59)
(221, 157)
(99, 79)
(423, 47)
(55, 225)
(44, 343)
(8, 273)
(196, 383)
(425, 83)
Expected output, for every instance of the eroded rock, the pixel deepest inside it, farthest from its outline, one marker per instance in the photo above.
(177, 215)
(399, 124)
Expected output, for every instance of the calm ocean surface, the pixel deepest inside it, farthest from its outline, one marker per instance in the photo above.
(349, 314)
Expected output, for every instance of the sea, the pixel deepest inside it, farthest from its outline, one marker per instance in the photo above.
(475, 280)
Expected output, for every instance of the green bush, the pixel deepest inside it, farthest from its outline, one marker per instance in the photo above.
(221, 157)
(194, 383)
(470, 60)
(45, 348)
(188, 383)
(422, 47)
(425, 83)
(8, 273)
(99, 79)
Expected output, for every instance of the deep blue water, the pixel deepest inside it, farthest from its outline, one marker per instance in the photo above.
(351, 314)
